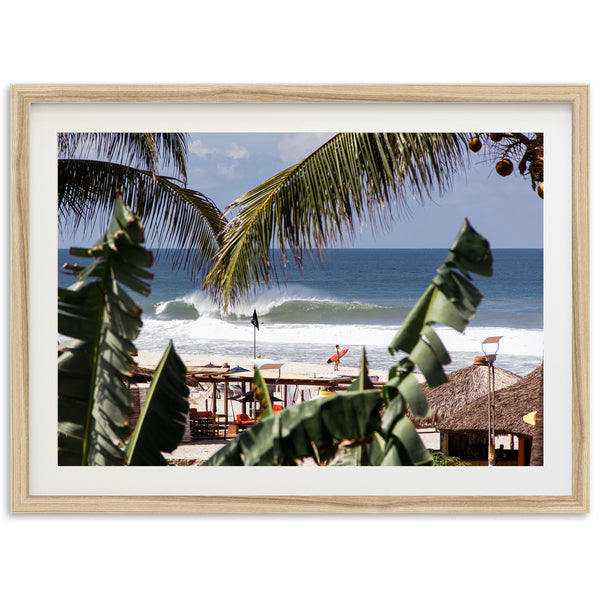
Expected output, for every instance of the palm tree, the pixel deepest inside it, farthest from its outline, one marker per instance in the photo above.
(351, 179)
(94, 168)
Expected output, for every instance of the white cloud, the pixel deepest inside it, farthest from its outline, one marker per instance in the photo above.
(236, 151)
(293, 147)
(199, 149)
(226, 170)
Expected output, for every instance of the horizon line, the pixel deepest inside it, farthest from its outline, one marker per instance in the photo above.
(343, 248)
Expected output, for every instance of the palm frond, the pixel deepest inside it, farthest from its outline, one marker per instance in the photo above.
(176, 216)
(146, 151)
(351, 179)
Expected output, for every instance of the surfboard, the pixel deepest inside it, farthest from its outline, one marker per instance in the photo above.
(337, 355)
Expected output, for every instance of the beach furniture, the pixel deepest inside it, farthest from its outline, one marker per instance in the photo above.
(243, 421)
(204, 424)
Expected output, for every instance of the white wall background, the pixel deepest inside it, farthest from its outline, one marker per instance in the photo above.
(301, 42)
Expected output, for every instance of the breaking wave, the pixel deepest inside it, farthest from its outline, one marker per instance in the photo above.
(278, 308)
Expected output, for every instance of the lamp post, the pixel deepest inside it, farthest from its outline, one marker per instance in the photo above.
(490, 359)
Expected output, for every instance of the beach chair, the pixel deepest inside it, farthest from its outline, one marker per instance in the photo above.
(241, 422)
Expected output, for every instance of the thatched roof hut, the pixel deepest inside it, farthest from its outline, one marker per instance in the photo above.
(512, 404)
(463, 387)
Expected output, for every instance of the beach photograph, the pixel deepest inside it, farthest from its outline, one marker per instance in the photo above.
(240, 83)
(300, 299)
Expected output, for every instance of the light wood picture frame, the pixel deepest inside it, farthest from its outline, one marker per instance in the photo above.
(24, 97)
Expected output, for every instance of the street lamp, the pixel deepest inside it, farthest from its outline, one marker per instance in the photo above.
(490, 358)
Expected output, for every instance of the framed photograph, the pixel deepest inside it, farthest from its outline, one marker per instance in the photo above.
(367, 186)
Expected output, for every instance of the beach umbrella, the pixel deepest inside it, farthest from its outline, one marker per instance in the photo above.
(513, 404)
(249, 397)
(238, 369)
(463, 387)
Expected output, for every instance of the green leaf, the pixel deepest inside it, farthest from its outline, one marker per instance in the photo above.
(311, 429)
(376, 449)
(142, 150)
(410, 332)
(411, 389)
(452, 300)
(405, 434)
(162, 421)
(395, 411)
(472, 251)
(176, 216)
(93, 402)
(362, 381)
(261, 393)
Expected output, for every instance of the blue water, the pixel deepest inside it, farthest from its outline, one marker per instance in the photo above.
(353, 297)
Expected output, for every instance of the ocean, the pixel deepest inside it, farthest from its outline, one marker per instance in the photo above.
(354, 298)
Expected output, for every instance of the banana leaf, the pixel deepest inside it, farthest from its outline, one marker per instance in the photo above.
(162, 422)
(102, 319)
(451, 299)
(261, 393)
(312, 429)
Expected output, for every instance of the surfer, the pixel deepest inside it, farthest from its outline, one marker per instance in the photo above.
(336, 365)
(335, 357)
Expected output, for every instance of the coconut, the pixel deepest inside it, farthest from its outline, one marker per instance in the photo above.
(475, 144)
(540, 190)
(504, 167)
(496, 137)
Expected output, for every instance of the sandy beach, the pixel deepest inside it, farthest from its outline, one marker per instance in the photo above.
(150, 360)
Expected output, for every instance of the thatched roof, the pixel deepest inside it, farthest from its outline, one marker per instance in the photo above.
(464, 386)
(512, 403)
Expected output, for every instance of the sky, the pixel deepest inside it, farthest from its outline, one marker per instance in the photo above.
(223, 166)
